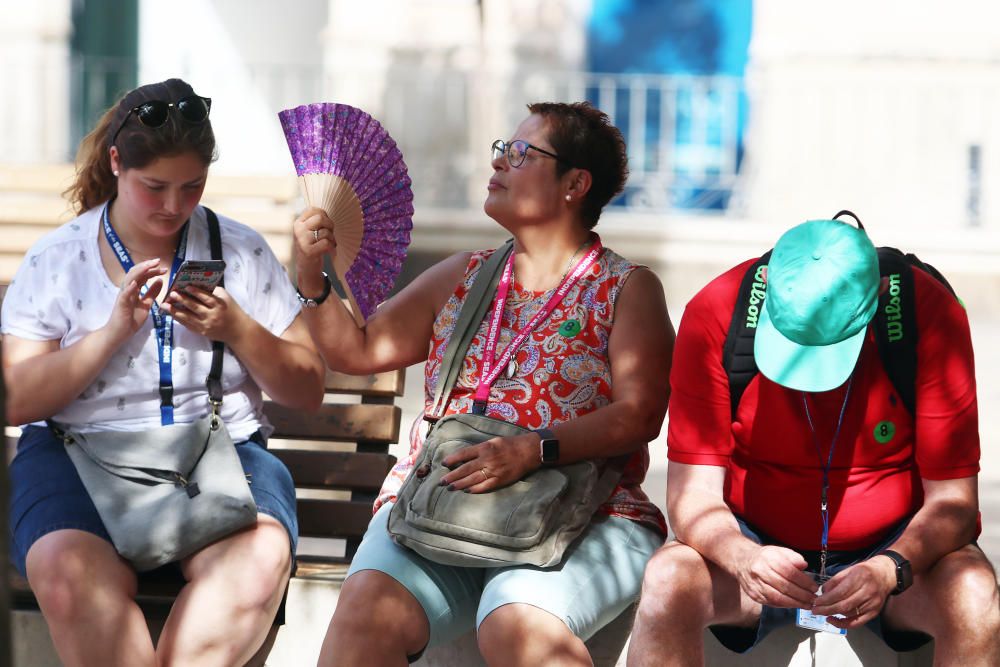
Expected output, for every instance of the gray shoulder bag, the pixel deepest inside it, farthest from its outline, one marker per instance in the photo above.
(166, 492)
(529, 522)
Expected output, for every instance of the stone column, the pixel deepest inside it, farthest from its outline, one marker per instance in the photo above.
(34, 68)
(885, 108)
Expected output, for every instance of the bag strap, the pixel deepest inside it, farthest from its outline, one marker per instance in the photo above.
(471, 315)
(214, 380)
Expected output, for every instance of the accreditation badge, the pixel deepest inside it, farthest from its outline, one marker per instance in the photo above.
(810, 621)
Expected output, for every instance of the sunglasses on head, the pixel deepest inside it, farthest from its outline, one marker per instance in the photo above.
(154, 113)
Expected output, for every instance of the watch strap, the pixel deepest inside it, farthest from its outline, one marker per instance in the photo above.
(902, 565)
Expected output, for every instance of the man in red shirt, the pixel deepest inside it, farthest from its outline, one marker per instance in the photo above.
(823, 496)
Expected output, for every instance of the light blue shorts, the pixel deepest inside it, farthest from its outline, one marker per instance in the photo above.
(598, 579)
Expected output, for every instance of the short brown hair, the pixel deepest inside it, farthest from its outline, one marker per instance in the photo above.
(584, 138)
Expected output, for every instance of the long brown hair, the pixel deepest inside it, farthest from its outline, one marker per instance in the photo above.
(137, 144)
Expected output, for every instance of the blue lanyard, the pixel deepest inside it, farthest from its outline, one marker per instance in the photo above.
(824, 506)
(163, 323)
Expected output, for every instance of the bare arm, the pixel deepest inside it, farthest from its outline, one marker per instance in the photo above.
(945, 522)
(639, 351)
(30, 366)
(700, 517)
(397, 334)
(42, 378)
(286, 367)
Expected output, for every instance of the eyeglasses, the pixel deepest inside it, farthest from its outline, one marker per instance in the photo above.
(153, 114)
(517, 150)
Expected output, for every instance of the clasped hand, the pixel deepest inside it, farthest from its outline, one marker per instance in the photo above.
(492, 464)
(777, 577)
(858, 592)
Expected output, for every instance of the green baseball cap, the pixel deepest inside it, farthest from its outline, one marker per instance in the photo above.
(822, 291)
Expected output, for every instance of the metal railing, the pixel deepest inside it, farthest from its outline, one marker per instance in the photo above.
(682, 131)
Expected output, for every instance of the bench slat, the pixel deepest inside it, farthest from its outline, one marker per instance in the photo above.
(379, 384)
(333, 518)
(339, 470)
(345, 423)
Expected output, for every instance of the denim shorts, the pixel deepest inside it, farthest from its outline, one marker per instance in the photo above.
(48, 495)
(599, 577)
(741, 640)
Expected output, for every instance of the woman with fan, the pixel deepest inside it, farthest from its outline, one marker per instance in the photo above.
(90, 343)
(588, 375)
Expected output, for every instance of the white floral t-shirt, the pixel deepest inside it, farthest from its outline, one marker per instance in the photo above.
(62, 292)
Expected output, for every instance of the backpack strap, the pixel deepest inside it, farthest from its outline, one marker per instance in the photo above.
(896, 323)
(737, 352)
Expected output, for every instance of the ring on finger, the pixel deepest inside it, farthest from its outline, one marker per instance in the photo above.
(316, 235)
(857, 611)
(485, 474)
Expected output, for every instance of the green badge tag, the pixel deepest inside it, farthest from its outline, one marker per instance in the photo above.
(569, 328)
(884, 431)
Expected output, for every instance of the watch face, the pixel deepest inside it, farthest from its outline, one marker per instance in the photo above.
(550, 450)
(904, 576)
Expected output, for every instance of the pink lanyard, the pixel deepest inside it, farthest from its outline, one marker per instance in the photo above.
(491, 366)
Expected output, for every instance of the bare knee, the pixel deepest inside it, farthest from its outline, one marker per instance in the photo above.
(675, 575)
(264, 569)
(519, 634)
(374, 610)
(973, 601)
(70, 573)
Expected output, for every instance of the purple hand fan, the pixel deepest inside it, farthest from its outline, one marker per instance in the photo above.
(349, 166)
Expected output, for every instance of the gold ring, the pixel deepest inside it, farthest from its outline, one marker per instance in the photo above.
(485, 476)
(857, 611)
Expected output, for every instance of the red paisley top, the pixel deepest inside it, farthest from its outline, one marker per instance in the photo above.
(563, 371)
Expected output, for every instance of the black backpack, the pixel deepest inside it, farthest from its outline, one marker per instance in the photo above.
(895, 323)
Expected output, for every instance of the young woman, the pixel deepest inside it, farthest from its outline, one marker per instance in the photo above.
(593, 370)
(81, 347)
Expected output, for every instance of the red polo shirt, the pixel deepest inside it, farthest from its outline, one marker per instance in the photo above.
(774, 471)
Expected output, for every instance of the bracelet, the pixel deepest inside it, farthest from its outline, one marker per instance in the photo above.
(313, 302)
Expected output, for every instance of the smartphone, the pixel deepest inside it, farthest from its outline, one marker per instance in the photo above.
(203, 273)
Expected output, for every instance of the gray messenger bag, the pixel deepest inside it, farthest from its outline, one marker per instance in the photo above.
(529, 522)
(166, 492)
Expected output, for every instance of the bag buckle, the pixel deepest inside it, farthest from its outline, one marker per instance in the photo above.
(216, 408)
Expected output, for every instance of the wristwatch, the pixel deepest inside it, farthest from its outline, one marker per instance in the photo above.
(312, 302)
(548, 448)
(904, 574)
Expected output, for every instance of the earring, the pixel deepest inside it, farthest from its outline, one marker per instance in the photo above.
(115, 172)
(569, 197)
